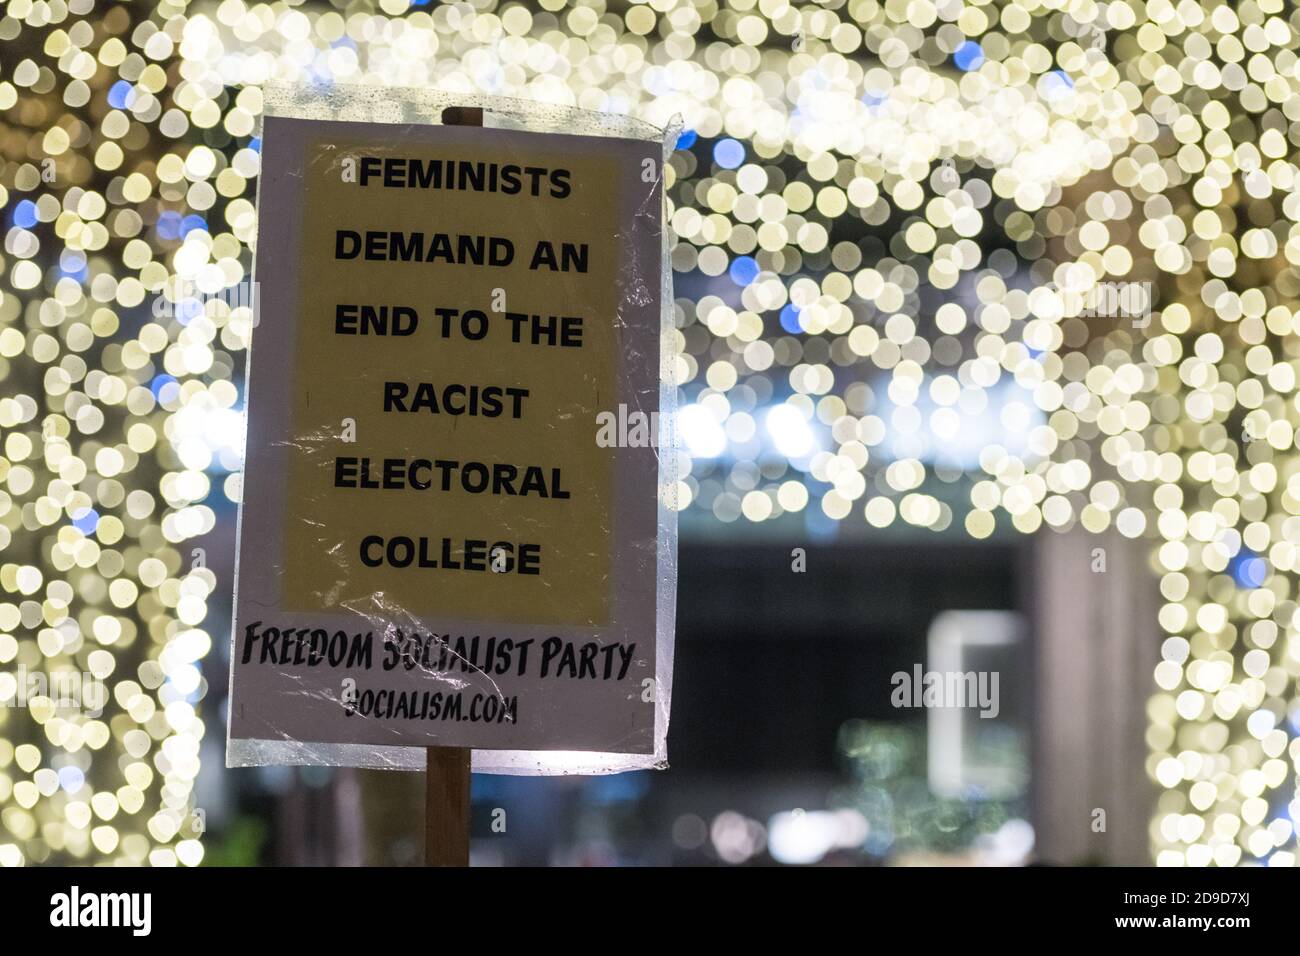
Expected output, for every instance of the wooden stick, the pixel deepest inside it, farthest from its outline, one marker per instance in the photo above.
(462, 116)
(446, 806)
(446, 774)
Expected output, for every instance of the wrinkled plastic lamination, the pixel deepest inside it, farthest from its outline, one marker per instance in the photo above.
(455, 527)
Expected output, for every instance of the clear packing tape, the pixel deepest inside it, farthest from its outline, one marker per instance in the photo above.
(583, 654)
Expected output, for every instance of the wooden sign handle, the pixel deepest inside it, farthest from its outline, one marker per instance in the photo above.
(446, 806)
(446, 776)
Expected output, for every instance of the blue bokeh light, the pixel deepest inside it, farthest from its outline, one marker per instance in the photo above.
(159, 383)
(969, 56)
(169, 225)
(1248, 569)
(25, 214)
(72, 263)
(71, 779)
(728, 153)
(80, 273)
(86, 521)
(121, 95)
(188, 309)
(744, 270)
(790, 319)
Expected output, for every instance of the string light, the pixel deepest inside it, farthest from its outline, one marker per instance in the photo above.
(960, 265)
